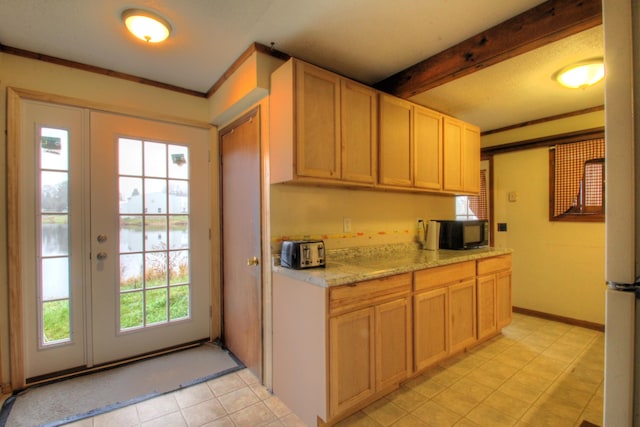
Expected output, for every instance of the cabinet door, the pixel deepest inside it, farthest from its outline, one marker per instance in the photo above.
(453, 134)
(359, 124)
(427, 143)
(471, 159)
(393, 342)
(351, 359)
(462, 315)
(395, 142)
(503, 296)
(486, 297)
(318, 121)
(431, 317)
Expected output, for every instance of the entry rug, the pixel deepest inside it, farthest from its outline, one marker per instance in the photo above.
(89, 395)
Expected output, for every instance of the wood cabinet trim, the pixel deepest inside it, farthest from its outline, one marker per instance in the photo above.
(349, 297)
(444, 275)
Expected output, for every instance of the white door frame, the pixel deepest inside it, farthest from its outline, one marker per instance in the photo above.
(15, 97)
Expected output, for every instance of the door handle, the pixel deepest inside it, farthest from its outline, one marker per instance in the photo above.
(253, 261)
(101, 256)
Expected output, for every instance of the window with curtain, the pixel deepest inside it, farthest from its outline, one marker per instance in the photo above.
(577, 177)
(474, 207)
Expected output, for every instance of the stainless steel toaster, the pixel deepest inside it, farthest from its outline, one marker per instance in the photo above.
(298, 254)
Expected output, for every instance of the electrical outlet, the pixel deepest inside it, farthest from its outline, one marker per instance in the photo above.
(346, 225)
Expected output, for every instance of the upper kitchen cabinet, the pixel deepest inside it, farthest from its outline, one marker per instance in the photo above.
(461, 156)
(410, 145)
(396, 142)
(322, 127)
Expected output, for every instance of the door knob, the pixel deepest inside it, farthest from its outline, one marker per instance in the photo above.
(102, 238)
(102, 256)
(253, 261)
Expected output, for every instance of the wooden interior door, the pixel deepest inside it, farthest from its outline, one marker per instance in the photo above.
(241, 231)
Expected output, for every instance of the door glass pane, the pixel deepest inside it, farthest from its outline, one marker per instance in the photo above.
(155, 283)
(54, 295)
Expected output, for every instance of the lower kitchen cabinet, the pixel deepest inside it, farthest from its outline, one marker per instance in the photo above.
(444, 312)
(369, 344)
(462, 315)
(494, 295)
(351, 358)
(431, 314)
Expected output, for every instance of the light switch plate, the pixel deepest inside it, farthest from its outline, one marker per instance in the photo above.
(346, 225)
(513, 196)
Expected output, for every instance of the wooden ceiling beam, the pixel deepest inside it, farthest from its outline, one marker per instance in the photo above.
(548, 22)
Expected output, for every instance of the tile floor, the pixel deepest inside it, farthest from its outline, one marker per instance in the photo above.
(537, 373)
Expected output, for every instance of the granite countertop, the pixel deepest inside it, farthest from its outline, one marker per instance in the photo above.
(350, 266)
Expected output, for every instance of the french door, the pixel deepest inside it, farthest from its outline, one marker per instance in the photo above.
(115, 231)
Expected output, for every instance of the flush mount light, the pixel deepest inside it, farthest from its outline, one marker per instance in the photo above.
(582, 74)
(146, 25)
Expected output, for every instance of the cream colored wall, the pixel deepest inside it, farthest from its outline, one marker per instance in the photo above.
(376, 217)
(133, 98)
(558, 267)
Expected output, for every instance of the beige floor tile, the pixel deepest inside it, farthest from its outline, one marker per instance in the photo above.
(292, 420)
(560, 409)
(460, 403)
(204, 412)
(406, 398)
(276, 406)
(506, 404)
(469, 387)
(568, 396)
(485, 378)
(410, 421)
(546, 367)
(531, 381)
(248, 377)
(173, 419)
(127, 416)
(255, 415)
(359, 419)
(436, 415)
(499, 370)
(485, 415)
(157, 407)
(427, 387)
(514, 389)
(537, 416)
(189, 396)
(221, 422)
(384, 412)
(226, 384)
(238, 400)
(260, 391)
(466, 422)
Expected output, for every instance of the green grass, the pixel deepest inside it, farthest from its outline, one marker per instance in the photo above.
(56, 321)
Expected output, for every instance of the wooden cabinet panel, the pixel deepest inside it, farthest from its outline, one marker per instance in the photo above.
(348, 297)
(427, 134)
(462, 315)
(471, 159)
(504, 308)
(443, 275)
(395, 144)
(351, 359)
(453, 135)
(486, 297)
(318, 121)
(359, 125)
(493, 264)
(431, 319)
(393, 342)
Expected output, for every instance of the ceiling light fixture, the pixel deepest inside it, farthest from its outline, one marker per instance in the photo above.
(146, 25)
(581, 74)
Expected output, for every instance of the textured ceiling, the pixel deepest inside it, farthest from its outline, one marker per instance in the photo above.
(367, 40)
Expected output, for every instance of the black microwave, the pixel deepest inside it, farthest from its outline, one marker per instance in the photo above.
(464, 234)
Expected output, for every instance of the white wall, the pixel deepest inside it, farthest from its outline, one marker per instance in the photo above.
(558, 267)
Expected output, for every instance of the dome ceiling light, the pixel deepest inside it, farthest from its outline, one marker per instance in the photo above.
(581, 74)
(146, 25)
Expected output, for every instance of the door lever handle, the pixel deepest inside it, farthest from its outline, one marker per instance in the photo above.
(253, 261)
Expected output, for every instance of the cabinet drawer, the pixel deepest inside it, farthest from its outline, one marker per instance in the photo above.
(446, 274)
(491, 265)
(349, 297)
